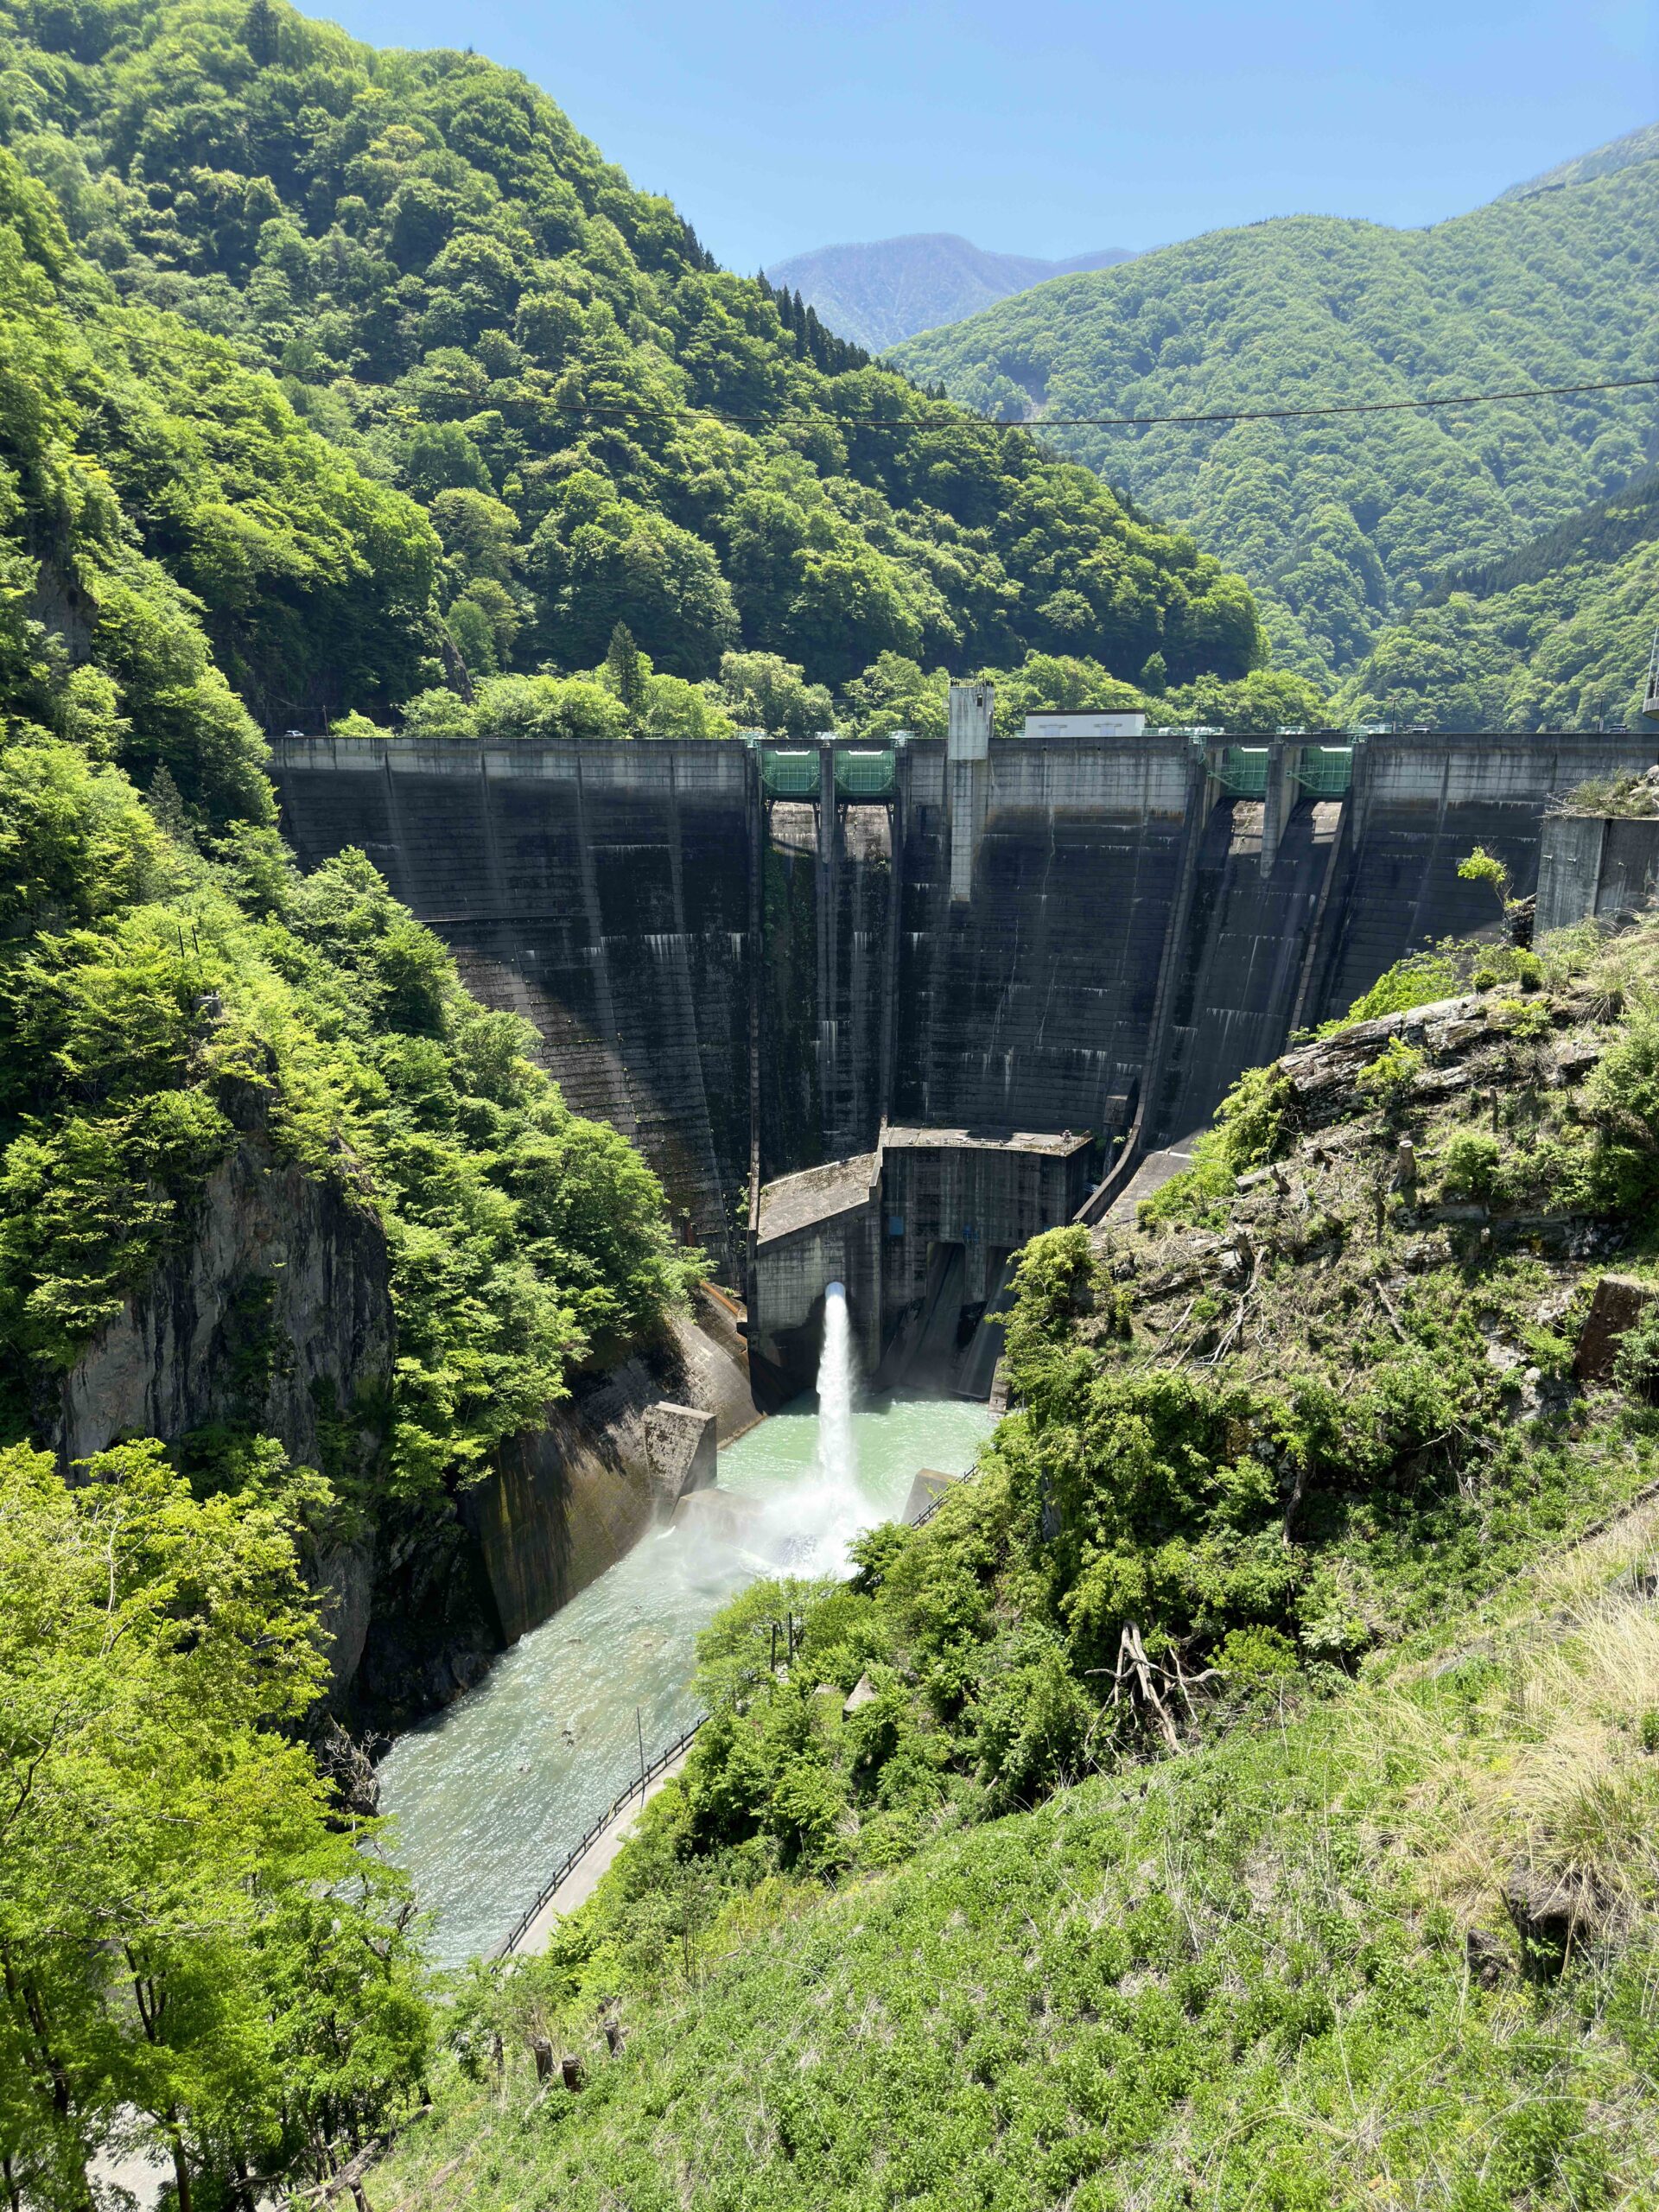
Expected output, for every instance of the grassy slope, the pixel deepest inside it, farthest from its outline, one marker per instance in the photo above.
(1338, 523)
(1235, 1978)
(1277, 1969)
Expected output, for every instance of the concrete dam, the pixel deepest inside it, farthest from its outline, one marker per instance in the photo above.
(881, 1013)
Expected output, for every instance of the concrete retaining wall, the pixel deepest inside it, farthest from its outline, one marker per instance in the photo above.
(1029, 1004)
(565, 1501)
(1595, 864)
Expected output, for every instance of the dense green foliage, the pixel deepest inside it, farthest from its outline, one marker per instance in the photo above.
(192, 1952)
(468, 304)
(1554, 636)
(149, 488)
(166, 978)
(1341, 524)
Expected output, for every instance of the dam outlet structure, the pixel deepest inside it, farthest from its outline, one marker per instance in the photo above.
(879, 1012)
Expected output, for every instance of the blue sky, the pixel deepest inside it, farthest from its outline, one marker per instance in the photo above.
(1057, 128)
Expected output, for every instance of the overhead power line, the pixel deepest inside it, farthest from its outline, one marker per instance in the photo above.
(963, 421)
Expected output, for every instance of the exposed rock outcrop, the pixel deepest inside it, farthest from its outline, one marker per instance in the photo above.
(277, 1315)
(1617, 1305)
(277, 1318)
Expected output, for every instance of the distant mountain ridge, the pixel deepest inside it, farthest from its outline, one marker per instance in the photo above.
(888, 289)
(1617, 154)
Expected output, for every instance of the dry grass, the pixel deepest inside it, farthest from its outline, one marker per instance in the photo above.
(1547, 1775)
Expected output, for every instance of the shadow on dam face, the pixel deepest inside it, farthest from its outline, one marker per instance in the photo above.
(913, 968)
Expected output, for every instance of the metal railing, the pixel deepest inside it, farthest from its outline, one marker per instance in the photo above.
(572, 1858)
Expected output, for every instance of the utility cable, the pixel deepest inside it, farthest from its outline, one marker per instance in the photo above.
(1040, 423)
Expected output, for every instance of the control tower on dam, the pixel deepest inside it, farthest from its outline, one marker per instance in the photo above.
(881, 1011)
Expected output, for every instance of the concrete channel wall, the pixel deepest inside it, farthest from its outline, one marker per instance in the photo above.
(1087, 936)
(1595, 864)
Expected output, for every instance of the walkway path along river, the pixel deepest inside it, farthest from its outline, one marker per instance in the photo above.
(488, 1797)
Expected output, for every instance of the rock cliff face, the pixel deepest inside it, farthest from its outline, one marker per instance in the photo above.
(276, 1320)
(279, 1315)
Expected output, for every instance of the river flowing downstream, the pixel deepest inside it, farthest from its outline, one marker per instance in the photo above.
(488, 1795)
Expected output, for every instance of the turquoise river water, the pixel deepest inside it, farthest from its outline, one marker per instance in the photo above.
(487, 1796)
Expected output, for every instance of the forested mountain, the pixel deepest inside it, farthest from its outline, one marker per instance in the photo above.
(471, 306)
(1341, 524)
(1553, 636)
(891, 287)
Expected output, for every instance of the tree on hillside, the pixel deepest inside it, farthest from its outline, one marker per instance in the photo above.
(188, 1932)
(625, 671)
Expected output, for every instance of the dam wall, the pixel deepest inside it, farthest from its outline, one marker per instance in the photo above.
(1028, 1002)
(603, 890)
(760, 960)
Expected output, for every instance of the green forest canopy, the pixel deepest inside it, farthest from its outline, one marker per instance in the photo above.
(474, 311)
(1553, 636)
(1341, 524)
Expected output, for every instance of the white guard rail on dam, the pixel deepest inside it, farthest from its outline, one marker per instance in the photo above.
(572, 1858)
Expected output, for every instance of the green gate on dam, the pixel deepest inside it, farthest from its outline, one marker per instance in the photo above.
(789, 772)
(864, 774)
(1244, 770)
(864, 771)
(1325, 770)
